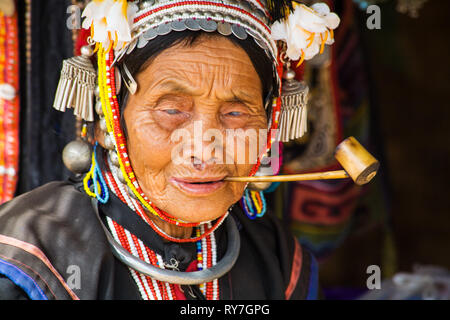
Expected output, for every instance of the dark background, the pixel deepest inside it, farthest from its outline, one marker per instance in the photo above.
(410, 69)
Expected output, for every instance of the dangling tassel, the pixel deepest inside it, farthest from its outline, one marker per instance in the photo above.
(254, 204)
(294, 112)
(77, 85)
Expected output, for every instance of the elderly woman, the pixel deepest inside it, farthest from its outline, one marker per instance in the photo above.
(154, 218)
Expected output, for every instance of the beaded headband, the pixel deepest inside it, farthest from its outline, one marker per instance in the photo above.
(228, 17)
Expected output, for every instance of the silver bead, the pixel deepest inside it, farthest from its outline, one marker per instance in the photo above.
(97, 91)
(87, 51)
(103, 125)
(120, 176)
(114, 158)
(77, 156)
(109, 142)
(99, 109)
(289, 74)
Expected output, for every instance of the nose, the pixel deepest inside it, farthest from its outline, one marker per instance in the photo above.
(198, 164)
(202, 144)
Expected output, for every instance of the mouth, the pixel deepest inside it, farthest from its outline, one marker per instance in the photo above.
(199, 186)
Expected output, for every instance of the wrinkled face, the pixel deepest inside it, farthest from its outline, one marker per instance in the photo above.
(183, 127)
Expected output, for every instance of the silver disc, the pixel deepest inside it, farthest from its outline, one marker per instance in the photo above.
(132, 46)
(192, 25)
(224, 28)
(239, 32)
(179, 25)
(142, 42)
(260, 43)
(208, 25)
(163, 29)
(150, 34)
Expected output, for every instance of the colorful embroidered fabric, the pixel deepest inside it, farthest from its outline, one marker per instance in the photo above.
(9, 106)
(323, 214)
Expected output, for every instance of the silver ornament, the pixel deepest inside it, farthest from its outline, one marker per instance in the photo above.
(259, 186)
(77, 156)
(120, 176)
(87, 51)
(114, 158)
(103, 125)
(109, 142)
(99, 109)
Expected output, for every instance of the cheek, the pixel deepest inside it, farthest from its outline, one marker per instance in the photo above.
(148, 146)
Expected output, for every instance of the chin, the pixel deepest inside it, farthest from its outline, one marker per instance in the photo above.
(200, 210)
(194, 208)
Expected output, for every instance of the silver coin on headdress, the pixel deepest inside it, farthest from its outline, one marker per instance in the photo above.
(239, 32)
(178, 25)
(163, 29)
(150, 34)
(192, 24)
(224, 28)
(208, 25)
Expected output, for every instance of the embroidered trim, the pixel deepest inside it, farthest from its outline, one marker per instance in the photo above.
(22, 280)
(35, 251)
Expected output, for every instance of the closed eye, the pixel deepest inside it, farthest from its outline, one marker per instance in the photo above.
(234, 114)
(172, 111)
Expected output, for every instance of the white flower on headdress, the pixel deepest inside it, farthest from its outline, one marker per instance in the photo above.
(306, 31)
(110, 22)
